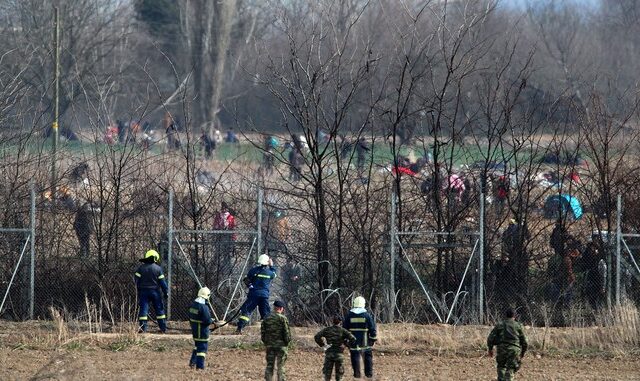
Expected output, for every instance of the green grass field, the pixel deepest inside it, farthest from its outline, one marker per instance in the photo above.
(248, 152)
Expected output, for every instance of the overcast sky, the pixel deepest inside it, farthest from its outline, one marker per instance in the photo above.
(523, 3)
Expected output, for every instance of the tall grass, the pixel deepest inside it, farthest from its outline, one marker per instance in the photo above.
(615, 332)
(66, 330)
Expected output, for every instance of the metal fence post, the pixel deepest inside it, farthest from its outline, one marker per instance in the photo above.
(392, 253)
(618, 251)
(32, 234)
(481, 261)
(169, 253)
(259, 224)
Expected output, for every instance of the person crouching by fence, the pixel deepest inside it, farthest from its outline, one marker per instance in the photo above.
(200, 320)
(150, 282)
(361, 324)
(509, 337)
(336, 338)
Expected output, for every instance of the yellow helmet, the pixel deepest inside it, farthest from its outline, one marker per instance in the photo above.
(152, 254)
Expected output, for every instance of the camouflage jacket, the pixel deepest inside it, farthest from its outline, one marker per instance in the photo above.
(336, 337)
(508, 333)
(275, 331)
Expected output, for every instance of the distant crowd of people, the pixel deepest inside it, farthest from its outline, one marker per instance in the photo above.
(143, 133)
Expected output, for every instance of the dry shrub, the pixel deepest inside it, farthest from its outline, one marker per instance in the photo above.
(439, 339)
(75, 331)
(617, 333)
(61, 328)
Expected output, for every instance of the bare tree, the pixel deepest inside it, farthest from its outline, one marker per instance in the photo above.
(317, 80)
(93, 34)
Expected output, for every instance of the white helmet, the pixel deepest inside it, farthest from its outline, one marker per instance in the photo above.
(263, 260)
(204, 292)
(359, 302)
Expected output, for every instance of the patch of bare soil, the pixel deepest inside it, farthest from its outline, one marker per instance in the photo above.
(27, 353)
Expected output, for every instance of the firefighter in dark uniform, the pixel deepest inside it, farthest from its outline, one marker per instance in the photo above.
(259, 281)
(151, 286)
(361, 324)
(200, 320)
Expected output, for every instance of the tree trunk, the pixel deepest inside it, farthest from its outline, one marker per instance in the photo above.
(322, 248)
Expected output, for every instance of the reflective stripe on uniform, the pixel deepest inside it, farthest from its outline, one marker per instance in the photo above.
(201, 354)
(263, 276)
(138, 275)
(359, 349)
(194, 310)
(359, 329)
(161, 276)
(201, 340)
(143, 318)
(244, 318)
(161, 317)
(358, 320)
(195, 321)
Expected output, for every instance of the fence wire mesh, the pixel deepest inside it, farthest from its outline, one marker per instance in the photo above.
(87, 250)
(16, 237)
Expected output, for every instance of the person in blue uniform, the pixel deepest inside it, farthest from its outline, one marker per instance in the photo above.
(200, 320)
(259, 281)
(151, 286)
(361, 324)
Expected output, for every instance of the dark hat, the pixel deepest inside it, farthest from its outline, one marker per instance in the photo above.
(337, 319)
(279, 304)
(509, 313)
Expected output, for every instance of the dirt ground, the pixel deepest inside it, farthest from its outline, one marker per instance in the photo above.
(33, 355)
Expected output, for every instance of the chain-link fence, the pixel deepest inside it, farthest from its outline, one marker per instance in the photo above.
(218, 260)
(17, 250)
(548, 264)
(437, 267)
(556, 272)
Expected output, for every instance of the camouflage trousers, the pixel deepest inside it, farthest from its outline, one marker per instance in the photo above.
(279, 355)
(507, 360)
(333, 359)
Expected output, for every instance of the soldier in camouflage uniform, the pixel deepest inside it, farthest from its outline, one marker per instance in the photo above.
(276, 338)
(336, 338)
(508, 336)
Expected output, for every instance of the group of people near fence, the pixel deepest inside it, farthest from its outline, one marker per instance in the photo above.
(574, 270)
(356, 330)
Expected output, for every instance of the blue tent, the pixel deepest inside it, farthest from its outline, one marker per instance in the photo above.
(562, 203)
